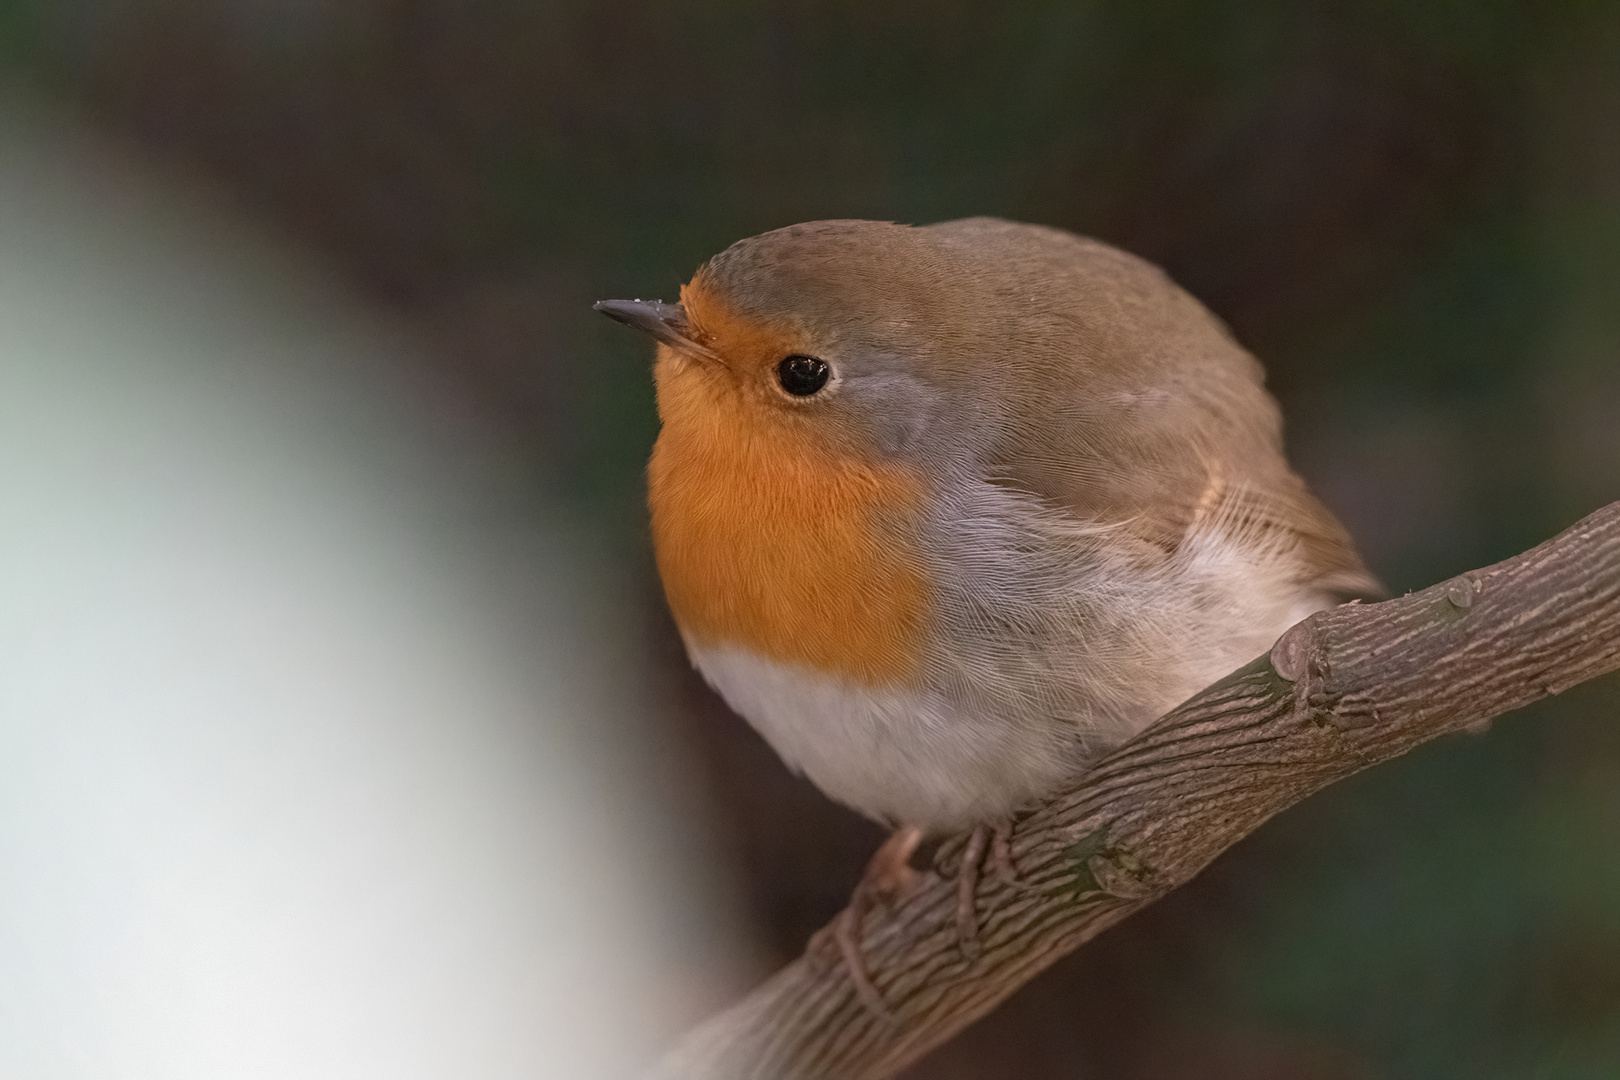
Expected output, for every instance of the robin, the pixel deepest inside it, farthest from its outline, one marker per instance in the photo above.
(946, 512)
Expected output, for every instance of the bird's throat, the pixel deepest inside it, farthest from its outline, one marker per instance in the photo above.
(767, 542)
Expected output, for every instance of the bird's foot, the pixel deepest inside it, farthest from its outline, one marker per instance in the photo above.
(887, 878)
(994, 840)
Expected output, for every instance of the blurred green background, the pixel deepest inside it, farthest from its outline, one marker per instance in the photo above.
(1410, 212)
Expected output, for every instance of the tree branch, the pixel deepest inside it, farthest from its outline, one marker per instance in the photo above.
(1343, 690)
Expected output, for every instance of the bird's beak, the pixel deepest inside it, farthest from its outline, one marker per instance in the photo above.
(666, 322)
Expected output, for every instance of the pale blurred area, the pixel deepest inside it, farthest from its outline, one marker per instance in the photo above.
(320, 751)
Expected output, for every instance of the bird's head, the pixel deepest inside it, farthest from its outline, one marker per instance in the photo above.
(835, 338)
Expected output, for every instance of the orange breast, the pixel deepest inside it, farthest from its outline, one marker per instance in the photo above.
(768, 541)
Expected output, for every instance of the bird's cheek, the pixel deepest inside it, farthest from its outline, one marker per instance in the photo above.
(690, 392)
(898, 436)
(895, 419)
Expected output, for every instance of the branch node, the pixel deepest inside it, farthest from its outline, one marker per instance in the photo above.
(1119, 873)
(1291, 655)
(1461, 591)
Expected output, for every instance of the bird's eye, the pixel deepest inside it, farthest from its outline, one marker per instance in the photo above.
(802, 376)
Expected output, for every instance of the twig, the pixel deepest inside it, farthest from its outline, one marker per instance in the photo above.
(1343, 690)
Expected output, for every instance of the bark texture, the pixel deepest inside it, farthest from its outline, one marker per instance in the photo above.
(1343, 690)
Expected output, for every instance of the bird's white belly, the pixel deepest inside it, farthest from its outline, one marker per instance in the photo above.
(896, 754)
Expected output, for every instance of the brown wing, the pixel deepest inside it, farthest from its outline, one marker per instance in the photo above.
(1139, 407)
(1284, 514)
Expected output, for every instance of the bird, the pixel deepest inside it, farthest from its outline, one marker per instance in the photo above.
(947, 512)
